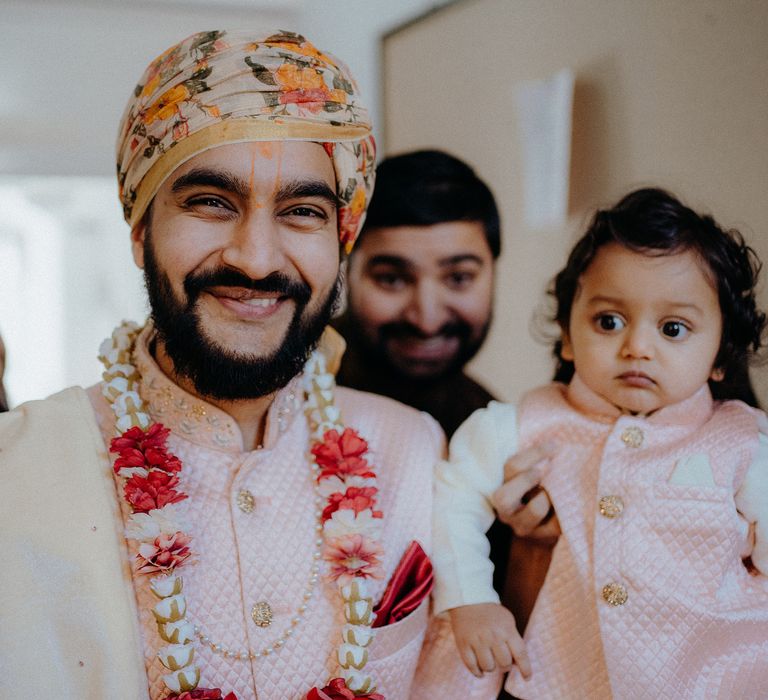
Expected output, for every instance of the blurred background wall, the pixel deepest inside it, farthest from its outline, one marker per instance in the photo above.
(667, 92)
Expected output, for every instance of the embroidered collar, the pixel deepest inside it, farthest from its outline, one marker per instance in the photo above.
(197, 420)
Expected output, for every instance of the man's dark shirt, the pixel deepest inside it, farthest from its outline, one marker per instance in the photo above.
(449, 400)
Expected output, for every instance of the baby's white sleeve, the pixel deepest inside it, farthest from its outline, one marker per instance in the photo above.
(752, 500)
(462, 509)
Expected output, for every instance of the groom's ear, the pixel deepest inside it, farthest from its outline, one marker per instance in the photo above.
(138, 235)
(137, 243)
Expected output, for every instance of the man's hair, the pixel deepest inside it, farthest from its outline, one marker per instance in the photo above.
(653, 222)
(423, 188)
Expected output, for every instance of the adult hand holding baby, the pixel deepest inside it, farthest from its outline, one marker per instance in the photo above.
(521, 502)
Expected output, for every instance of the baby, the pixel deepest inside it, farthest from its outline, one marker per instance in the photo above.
(657, 585)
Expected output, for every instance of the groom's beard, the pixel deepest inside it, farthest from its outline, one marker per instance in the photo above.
(215, 371)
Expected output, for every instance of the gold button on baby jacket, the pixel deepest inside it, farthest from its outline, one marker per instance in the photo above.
(632, 436)
(611, 506)
(615, 594)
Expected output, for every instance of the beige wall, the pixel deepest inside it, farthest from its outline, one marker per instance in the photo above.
(668, 92)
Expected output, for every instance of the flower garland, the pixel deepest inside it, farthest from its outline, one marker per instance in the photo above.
(349, 521)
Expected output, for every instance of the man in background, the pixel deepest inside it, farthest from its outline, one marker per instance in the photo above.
(421, 286)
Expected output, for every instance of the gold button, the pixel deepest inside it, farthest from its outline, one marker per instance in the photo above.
(615, 594)
(245, 501)
(632, 436)
(262, 613)
(611, 506)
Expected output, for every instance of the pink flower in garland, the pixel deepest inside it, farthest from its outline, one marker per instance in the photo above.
(354, 499)
(341, 455)
(352, 556)
(163, 555)
(155, 490)
(337, 690)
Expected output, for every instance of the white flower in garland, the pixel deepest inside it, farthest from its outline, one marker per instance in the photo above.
(159, 521)
(347, 522)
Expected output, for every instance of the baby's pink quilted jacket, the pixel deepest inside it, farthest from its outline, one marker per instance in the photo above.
(647, 595)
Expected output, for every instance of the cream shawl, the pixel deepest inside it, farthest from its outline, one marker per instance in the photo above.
(67, 609)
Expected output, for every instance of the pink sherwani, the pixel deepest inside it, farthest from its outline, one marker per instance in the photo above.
(647, 595)
(261, 555)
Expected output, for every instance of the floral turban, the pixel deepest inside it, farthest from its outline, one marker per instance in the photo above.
(224, 87)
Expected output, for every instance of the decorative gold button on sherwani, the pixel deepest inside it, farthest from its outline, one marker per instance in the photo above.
(611, 506)
(262, 613)
(615, 594)
(632, 436)
(245, 501)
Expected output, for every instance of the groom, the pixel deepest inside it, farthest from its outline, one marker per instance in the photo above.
(216, 519)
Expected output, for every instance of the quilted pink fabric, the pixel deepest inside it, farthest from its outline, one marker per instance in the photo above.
(265, 555)
(694, 623)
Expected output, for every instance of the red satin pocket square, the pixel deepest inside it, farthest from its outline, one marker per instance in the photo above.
(410, 583)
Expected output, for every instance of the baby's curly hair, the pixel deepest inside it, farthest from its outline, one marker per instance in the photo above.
(653, 222)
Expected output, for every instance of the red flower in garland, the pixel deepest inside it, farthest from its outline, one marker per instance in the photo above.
(337, 690)
(151, 459)
(164, 554)
(130, 458)
(356, 499)
(160, 459)
(201, 694)
(137, 439)
(341, 455)
(153, 491)
(144, 449)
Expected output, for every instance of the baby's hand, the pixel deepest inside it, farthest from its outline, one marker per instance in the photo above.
(487, 639)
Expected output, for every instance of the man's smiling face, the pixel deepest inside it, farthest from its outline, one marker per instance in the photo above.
(241, 257)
